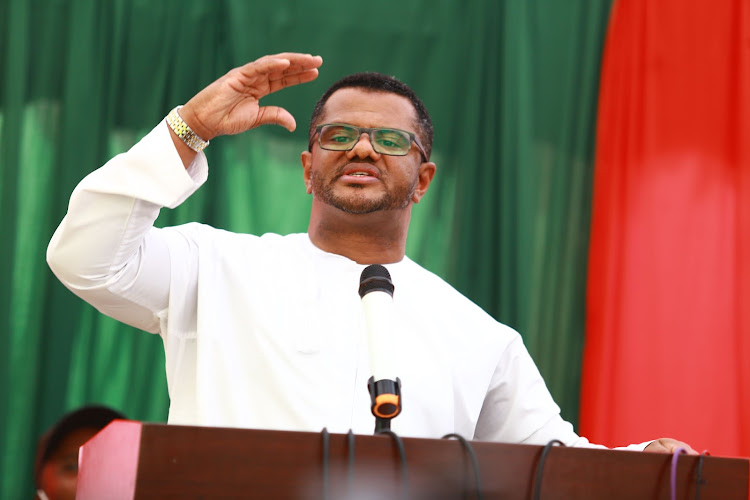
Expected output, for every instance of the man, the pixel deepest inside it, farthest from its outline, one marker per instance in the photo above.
(56, 464)
(267, 332)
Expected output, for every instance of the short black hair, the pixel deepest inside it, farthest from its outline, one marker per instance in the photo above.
(378, 82)
(94, 416)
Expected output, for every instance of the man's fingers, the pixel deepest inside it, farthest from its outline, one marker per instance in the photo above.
(669, 445)
(299, 65)
(295, 73)
(281, 65)
(274, 115)
(262, 68)
(689, 449)
(291, 80)
(305, 61)
(271, 73)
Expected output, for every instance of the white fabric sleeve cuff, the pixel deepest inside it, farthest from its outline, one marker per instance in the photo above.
(151, 171)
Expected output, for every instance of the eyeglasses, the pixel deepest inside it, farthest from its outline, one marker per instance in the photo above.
(387, 141)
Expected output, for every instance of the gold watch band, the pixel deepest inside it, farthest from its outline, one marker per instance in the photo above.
(184, 132)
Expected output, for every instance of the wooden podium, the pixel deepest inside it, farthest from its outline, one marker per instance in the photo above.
(131, 459)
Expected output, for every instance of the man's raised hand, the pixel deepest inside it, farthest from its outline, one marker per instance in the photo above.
(231, 104)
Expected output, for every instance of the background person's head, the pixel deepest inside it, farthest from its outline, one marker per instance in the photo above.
(56, 464)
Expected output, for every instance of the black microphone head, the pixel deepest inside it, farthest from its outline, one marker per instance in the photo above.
(375, 278)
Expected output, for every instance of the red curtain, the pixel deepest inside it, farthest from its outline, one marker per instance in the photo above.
(668, 303)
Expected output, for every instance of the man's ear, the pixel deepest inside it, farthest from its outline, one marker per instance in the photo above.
(426, 173)
(306, 158)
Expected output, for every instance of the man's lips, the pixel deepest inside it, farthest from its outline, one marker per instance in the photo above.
(359, 173)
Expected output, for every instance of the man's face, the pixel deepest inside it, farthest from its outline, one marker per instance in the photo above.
(59, 474)
(362, 181)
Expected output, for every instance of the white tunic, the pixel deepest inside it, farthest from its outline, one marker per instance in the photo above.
(268, 333)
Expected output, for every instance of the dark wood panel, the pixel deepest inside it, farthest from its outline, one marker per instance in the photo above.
(199, 462)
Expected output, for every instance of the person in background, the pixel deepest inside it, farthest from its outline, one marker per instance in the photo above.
(56, 464)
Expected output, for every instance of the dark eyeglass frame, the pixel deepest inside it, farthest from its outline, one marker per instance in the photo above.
(368, 131)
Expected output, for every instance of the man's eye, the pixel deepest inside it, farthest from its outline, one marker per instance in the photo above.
(343, 139)
(338, 135)
(393, 141)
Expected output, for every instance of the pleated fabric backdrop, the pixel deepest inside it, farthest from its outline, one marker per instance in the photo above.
(511, 86)
(668, 309)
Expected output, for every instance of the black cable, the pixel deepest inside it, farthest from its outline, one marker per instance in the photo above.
(474, 462)
(699, 481)
(404, 469)
(326, 464)
(540, 467)
(350, 475)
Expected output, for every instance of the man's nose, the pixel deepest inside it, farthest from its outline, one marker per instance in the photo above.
(363, 148)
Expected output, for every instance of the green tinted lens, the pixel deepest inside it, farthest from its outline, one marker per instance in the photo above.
(391, 142)
(338, 137)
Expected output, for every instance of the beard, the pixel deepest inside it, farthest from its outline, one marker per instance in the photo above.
(358, 201)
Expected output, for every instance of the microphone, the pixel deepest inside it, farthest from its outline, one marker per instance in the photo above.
(376, 291)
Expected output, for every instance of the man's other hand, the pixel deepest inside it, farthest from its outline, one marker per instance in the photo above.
(669, 445)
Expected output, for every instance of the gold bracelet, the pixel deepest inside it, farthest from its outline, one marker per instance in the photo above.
(184, 132)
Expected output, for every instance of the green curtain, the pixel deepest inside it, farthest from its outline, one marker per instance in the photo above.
(512, 89)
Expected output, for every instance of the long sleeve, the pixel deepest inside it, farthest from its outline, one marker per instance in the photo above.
(99, 249)
(518, 407)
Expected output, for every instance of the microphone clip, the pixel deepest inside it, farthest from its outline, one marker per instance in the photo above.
(385, 399)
